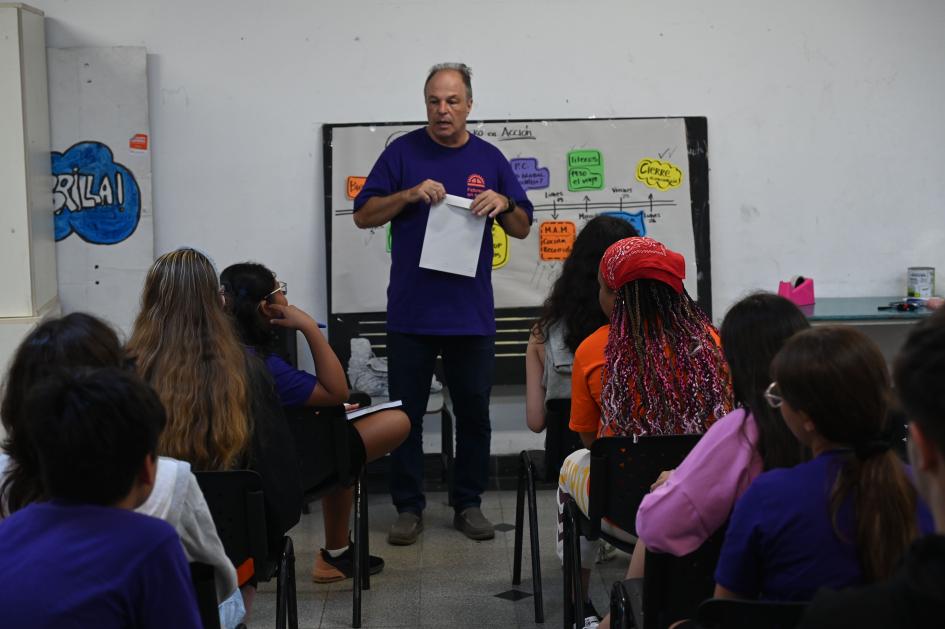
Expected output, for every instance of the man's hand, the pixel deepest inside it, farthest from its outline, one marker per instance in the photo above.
(427, 191)
(489, 203)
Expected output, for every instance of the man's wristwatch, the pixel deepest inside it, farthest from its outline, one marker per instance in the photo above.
(511, 207)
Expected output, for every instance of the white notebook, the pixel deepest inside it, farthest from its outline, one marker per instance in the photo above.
(367, 410)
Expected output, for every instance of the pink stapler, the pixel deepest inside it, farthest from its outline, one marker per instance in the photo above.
(800, 290)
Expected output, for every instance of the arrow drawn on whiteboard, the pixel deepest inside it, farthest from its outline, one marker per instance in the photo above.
(554, 211)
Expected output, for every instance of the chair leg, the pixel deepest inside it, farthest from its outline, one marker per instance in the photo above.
(365, 545)
(288, 568)
(287, 613)
(519, 520)
(567, 573)
(356, 581)
(619, 607)
(572, 554)
(533, 534)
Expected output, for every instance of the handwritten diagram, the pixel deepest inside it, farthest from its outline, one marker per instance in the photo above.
(571, 171)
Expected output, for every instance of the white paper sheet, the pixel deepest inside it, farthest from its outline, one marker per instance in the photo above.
(453, 238)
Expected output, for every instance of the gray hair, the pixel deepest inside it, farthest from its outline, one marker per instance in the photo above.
(464, 71)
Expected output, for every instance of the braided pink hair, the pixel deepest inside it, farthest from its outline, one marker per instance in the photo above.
(664, 371)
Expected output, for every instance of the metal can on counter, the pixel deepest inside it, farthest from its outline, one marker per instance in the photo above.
(920, 281)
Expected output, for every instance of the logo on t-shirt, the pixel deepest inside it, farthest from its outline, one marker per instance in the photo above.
(474, 185)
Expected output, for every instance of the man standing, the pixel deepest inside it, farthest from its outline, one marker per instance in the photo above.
(432, 312)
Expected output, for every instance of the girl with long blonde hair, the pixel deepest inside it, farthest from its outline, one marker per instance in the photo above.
(222, 409)
(184, 345)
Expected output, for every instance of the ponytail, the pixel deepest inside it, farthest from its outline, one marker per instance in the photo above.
(884, 503)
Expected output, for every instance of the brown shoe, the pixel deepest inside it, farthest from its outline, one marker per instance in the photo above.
(473, 524)
(329, 569)
(406, 529)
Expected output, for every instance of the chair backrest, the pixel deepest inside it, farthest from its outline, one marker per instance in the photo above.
(236, 502)
(321, 442)
(560, 441)
(622, 472)
(717, 613)
(673, 587)
(202, 576)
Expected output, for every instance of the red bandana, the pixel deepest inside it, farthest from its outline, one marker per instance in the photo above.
(642, 258)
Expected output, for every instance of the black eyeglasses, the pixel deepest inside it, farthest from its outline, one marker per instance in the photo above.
(773, 395)
(281, 287)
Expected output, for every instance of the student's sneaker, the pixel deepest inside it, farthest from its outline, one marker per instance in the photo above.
(591, 617)
(329, 569)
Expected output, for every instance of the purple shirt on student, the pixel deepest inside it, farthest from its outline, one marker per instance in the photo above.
(293, 386)
(682, 513)
(68, 565)
(781, 544)
(421, 301)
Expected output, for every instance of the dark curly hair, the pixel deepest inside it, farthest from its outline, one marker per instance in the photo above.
(573, 297)
(244, 286)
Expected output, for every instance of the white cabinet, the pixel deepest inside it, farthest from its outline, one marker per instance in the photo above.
(27, 245)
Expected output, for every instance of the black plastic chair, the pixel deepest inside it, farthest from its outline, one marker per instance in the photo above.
(626, 598)
(321, 439)
(560, 441)
(621, 473)
(526, 485)
(202, 576)
(673, 587)
(718, 613)
(235, 499)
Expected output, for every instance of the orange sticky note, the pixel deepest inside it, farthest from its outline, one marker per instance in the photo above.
(555, 239)
(354, 186)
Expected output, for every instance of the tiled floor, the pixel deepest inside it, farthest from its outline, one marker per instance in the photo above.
(445, 580)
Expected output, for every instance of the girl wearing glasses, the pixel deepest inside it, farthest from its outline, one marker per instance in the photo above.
(259, 305)
(696, 499)
(222, 413)
(846, 516)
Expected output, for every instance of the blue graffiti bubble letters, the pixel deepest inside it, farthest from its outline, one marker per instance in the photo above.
(94, 196)
(634, 218)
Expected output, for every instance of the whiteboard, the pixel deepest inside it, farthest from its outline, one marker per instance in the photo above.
(652, 172)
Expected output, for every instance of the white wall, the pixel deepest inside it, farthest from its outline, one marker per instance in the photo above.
(825, 128)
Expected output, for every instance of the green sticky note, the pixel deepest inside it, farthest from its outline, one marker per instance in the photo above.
(585, 170)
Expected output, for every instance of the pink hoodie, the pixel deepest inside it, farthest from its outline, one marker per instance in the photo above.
(682, 513)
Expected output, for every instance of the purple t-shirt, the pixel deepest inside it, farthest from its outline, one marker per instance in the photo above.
(780, 543)
(293, 386)
(421, 301)
(71, 565)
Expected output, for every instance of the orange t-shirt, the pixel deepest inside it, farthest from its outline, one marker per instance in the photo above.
(587, 383)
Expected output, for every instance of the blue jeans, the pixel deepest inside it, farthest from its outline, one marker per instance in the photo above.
(469, 366)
